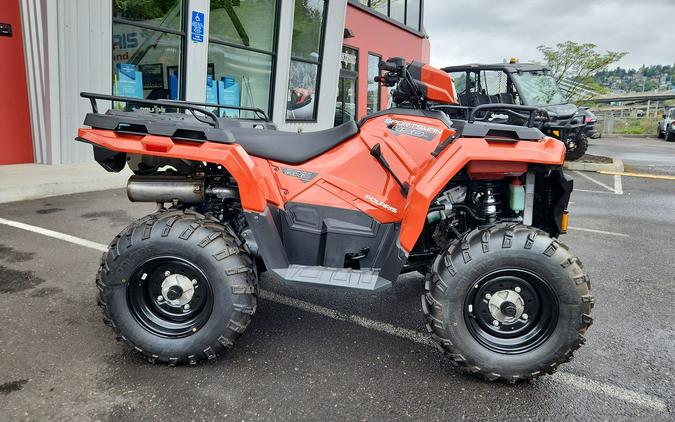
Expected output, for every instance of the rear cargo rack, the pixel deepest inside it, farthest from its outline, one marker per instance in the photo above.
(191, 106)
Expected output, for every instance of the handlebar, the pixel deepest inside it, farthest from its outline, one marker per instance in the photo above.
(388, 67)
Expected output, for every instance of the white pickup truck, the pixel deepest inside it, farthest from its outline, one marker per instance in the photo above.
(667, 126)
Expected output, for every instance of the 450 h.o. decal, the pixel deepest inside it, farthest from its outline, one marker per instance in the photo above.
(417, 130)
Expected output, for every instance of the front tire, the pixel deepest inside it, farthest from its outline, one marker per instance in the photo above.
(177, 287)
(578, 149)
(508, 303)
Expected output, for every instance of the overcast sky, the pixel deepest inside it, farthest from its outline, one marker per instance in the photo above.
(465, 31)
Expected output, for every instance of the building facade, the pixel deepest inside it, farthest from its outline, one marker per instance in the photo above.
(308, 64)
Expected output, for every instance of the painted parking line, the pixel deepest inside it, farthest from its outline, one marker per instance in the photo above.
(643, 175)
(618, 185)
(592, 191)
(583, 229)
(55, 235)
(599, 183)
(577, 381)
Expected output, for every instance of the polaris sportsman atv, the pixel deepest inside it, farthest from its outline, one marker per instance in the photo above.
(528, 84)
(476, 206)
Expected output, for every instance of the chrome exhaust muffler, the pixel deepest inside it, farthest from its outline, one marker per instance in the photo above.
(160, 188)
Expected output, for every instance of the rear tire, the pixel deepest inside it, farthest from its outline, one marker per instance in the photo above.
(499, 261)
(215, 290)
(580, 147)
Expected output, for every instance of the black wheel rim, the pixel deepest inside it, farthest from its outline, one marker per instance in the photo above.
(157, 315)
(530, 329)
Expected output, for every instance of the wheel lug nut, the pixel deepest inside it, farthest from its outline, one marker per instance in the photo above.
(167, 273)
(488, 296)
(194, 281)
(186, 307)
(495, 323)
(517, 289)
(524, 316)
(160, 298)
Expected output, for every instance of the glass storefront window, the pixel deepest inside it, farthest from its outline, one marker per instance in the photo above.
(413, 14)
(349, 59)
(397, 10)
(146, 63)
(373, 100)
(249, 23)
(238, 77)
(305, 68)
(406, 12)
(160, 13)
(381, 6)
(302, 87)
(308, 29)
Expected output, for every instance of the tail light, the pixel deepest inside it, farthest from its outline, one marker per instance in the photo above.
(589, 120)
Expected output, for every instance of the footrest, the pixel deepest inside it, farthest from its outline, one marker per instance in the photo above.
(340, 277)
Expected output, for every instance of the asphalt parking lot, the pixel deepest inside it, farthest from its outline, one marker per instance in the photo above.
(326, 354)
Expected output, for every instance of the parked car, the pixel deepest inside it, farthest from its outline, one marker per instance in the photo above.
(666, 127)
(591, 120)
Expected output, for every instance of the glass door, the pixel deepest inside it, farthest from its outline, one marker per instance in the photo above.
(346, 101)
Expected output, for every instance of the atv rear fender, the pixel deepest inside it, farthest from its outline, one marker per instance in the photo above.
(254, 189)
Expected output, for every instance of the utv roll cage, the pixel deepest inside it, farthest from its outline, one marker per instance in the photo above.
(470, 99)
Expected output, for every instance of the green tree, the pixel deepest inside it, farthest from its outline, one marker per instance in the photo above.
(577, 62)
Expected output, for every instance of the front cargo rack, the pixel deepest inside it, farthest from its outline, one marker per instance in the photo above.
(191, 106)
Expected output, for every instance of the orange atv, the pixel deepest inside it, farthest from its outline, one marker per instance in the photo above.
(475, 206)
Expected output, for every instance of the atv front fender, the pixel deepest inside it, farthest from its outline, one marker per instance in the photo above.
(457, 156)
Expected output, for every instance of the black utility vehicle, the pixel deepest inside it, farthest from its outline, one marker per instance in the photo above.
(526, 84)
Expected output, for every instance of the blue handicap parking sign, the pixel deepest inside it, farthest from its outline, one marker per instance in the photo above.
(197, 30)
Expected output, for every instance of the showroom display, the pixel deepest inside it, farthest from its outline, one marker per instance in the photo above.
(474, 205)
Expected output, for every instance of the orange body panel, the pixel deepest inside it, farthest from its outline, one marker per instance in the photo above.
(439, 85)
(347, 176)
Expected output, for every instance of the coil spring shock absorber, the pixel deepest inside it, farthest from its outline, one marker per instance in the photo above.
(490, 205)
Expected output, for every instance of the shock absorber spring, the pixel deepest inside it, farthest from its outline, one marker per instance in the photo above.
(490, 202)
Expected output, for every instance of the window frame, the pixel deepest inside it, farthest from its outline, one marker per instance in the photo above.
(185, 12)
(319, 64)
(379, 85)
(272, 54)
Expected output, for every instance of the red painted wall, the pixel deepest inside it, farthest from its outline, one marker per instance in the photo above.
(16, 144)
(375, 35)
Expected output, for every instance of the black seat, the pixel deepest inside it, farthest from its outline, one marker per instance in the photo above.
(291, 147)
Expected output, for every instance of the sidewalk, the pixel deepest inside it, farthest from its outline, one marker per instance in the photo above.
(21, 182)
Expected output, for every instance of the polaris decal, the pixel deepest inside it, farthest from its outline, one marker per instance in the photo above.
(304, 176)
(417, 130)
(381, 204)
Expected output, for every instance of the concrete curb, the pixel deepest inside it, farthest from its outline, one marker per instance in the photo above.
(24, 182)
(616, 166)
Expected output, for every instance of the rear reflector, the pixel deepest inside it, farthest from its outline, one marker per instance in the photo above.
(563, 223)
